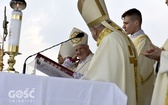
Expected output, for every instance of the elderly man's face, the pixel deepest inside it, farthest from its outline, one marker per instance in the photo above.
(82, 51)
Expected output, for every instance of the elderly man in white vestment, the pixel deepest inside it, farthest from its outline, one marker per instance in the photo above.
(132, 20)
(82, 51)
(115, 58)
(160, 93)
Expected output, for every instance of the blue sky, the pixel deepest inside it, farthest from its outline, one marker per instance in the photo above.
(46, 23)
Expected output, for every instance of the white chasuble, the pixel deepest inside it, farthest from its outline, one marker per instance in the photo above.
(111, 63)
(83, 66)
(160, 93)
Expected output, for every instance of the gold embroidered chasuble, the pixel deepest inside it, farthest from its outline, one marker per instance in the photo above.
(146, 67)
(115, 61)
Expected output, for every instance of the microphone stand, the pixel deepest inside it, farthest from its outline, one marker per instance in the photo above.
(24, 65)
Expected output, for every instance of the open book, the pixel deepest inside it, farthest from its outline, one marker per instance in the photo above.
(51, 68)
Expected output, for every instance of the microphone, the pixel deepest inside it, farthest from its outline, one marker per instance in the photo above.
(80, 35)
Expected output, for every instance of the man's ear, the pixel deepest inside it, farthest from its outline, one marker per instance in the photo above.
(136, 22)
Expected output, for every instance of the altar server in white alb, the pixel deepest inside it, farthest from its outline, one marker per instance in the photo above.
(115, 59)
(160, 93)
(82, 51)
(132, 20)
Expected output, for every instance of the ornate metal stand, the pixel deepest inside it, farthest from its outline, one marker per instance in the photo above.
(5, 22)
